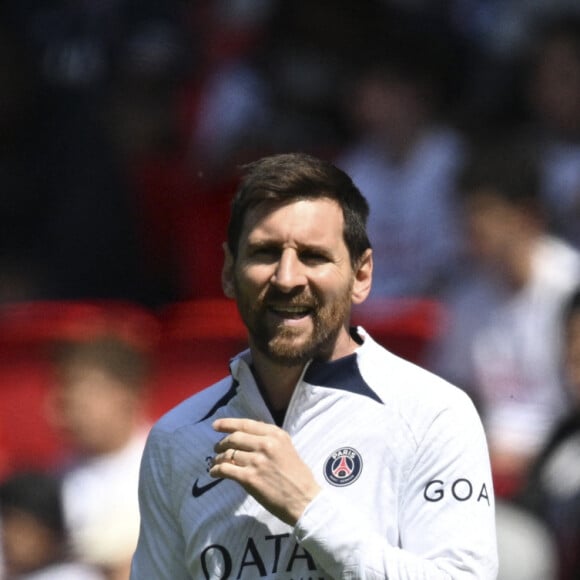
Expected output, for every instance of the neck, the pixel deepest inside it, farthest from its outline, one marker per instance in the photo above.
(399, 144)
(117, 437)
(277, 381)
(519, 269)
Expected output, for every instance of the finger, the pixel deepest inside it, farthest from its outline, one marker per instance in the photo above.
(223, 445)
(227, 456)
(238, 440)
(232, 441)
(231, 425)
(239, 457)
(228, 464)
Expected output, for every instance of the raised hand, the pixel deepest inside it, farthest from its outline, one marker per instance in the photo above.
(262, 458)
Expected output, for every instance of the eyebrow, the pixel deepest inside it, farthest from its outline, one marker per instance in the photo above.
(302, 247)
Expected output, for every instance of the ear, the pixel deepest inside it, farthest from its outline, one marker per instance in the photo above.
(363, 278)
(228, 273)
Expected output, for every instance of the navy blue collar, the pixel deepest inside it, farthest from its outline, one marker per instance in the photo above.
(342, 373)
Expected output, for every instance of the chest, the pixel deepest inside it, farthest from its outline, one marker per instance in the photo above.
(228, 534)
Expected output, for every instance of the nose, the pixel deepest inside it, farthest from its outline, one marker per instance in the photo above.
(289, 273)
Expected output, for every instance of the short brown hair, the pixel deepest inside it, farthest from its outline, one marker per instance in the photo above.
(114, 356)
(508, 167)
(288, 177)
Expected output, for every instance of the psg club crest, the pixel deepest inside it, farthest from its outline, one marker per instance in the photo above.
(343, 467)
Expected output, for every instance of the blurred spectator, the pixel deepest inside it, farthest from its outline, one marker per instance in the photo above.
(268, 79)
(553, 487)
(553, 97)
(404, 159)
(503, 340)
(99, 404)
(526, 547)
(230, 97)
(273, 77)
(23, 204)
(503, 28)
(99, 83)
(66, 230)
(310, 53)
(119, 61)
(97, 94)
(34, 538)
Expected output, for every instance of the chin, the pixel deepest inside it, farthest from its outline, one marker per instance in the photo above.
(289, 355)
(298, 352)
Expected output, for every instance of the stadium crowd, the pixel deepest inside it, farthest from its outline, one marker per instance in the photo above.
(122, 124)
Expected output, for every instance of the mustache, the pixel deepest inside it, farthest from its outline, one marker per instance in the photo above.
(294, 298)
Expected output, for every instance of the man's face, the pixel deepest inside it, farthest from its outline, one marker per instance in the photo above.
(293, 280)
(493, 226)
(27, 542)
(572, 355)
(91, 408)
(555, 86)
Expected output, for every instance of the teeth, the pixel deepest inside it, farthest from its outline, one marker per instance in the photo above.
(291, 309)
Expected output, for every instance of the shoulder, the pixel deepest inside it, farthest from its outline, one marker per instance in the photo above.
(193, 409)
(67, 571)
(417, 395)
(558, 262)
(443, 143)
(178, 443)
(427, 421)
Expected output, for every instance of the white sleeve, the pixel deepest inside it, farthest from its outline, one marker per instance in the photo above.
(447, 519)
(155, 559)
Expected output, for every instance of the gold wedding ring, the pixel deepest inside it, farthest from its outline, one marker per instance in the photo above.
(233, 455)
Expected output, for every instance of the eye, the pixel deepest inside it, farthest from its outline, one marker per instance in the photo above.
(264, 254)
(313, 257)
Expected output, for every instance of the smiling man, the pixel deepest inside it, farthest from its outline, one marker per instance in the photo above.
(321, 455)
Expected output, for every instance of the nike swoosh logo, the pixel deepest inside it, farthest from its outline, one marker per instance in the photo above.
(199, 490)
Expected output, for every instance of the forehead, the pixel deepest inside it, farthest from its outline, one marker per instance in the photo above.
(488, 202)
(318, 220)
(573, 326)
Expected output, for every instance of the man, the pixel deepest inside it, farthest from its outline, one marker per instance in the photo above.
(322, 455)
(34, 538)
(405, 159)
(503, 344)
(552, 488)
(98, 404)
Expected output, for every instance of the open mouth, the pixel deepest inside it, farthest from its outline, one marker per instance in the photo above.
(291, 312)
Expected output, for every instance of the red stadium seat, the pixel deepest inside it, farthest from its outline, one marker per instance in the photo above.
(190, 343)
(183, 217)
(406, 326)
(26, 332)
(197, 340)
(199, 336)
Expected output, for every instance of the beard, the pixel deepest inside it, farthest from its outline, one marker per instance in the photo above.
(287, 345)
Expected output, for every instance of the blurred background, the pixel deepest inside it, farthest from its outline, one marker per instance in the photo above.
(122, 127)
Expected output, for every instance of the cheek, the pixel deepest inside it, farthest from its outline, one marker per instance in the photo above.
(573, 360)
(487, 235)
(251, 281)
(112, 407)
(336, 301)
(72, 410)
(86, 415)
(24, 542)
(248, 294)
(334, 287)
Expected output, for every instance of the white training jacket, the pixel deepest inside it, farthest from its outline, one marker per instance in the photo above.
(401, 457)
